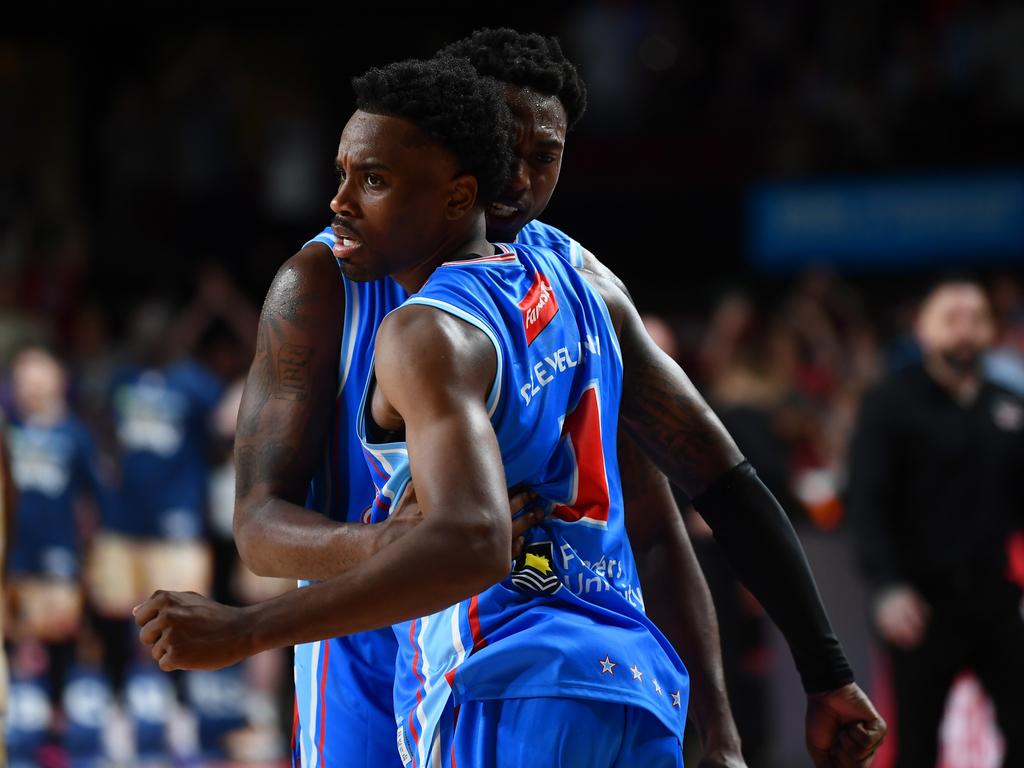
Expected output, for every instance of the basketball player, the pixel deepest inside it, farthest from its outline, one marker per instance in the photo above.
(276, 537)
(556, 659)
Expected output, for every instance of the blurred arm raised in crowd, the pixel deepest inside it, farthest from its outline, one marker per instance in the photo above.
(217, 297)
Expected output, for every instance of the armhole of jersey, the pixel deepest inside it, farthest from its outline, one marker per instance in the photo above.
(349, 330)
(603, 308)
(494, 397)
(326, 237)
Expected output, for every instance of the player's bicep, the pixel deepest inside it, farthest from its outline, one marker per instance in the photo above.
(289, 391)
(436, 372)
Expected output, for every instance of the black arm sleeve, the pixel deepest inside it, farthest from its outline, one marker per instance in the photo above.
(763, 549)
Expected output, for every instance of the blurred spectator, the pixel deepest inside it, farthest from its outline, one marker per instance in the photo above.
(7, 505)
(934, 492)
(53, 464)
(1004, 364)
(162, 403)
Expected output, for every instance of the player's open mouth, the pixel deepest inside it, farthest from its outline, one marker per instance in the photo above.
(503, 211)
(344, 246)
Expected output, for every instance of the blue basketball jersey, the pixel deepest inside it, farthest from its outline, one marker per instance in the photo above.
(162, 418)
(541, 235)
(568, 621)
(343, 686)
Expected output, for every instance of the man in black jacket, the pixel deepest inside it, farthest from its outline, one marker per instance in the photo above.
(935, 490)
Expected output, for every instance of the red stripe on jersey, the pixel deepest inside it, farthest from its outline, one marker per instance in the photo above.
(323, 701)
(373, 463)
(506, 254)
(455, 726)
(415, 671)
(295, 723)
(479, 641)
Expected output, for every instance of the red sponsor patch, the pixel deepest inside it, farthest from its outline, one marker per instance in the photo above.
(538, 306)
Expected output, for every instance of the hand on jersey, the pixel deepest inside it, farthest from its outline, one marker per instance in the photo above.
(185, 630)
(408, 515)
(843, 728)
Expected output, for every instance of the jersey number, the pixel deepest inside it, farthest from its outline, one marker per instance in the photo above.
(588, 497)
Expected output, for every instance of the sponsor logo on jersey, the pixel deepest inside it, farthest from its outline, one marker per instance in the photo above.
(539, 306)
(535, 569)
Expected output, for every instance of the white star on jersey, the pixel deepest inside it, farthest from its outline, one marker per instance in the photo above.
(657, 688)
(676, 699)
(637, 674)
(607, 665)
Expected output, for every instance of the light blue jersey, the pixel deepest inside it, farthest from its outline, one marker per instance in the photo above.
(568, 622)
(343, 704)
(344, 711)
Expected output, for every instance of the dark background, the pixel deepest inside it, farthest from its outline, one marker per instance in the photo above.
(133, 152)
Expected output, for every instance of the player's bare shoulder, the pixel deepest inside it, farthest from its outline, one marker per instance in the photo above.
(309, 280)
(612, 290)
(592, 264)
(422, 343)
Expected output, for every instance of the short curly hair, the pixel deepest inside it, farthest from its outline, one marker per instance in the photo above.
(527, 60)
(452, 105)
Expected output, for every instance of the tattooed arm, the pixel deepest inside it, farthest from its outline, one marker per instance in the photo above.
(283, 423)
(676, 594)
(663, 412)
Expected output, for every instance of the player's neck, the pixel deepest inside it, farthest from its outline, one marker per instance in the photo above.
(462, 245)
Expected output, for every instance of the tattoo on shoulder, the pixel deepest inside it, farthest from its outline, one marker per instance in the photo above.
(293, 376)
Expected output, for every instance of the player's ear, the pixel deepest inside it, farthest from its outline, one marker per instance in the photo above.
(461, 196)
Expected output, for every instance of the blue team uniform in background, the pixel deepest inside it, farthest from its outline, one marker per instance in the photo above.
(348, 682)
(51, 465)
(566, 630)
(162, 419)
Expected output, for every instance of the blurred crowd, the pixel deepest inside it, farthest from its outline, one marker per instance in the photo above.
(120, 450)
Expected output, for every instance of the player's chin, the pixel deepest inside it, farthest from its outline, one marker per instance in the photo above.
(501, 229)
(361, 272)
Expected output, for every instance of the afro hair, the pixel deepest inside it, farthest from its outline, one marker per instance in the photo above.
(452, 105)
(527, 60)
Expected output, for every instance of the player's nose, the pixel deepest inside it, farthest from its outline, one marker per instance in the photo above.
(520, 180)
(342, 202)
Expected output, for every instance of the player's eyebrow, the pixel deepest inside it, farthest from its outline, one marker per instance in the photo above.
(365, 165)
(370, 165)
(551, 143)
